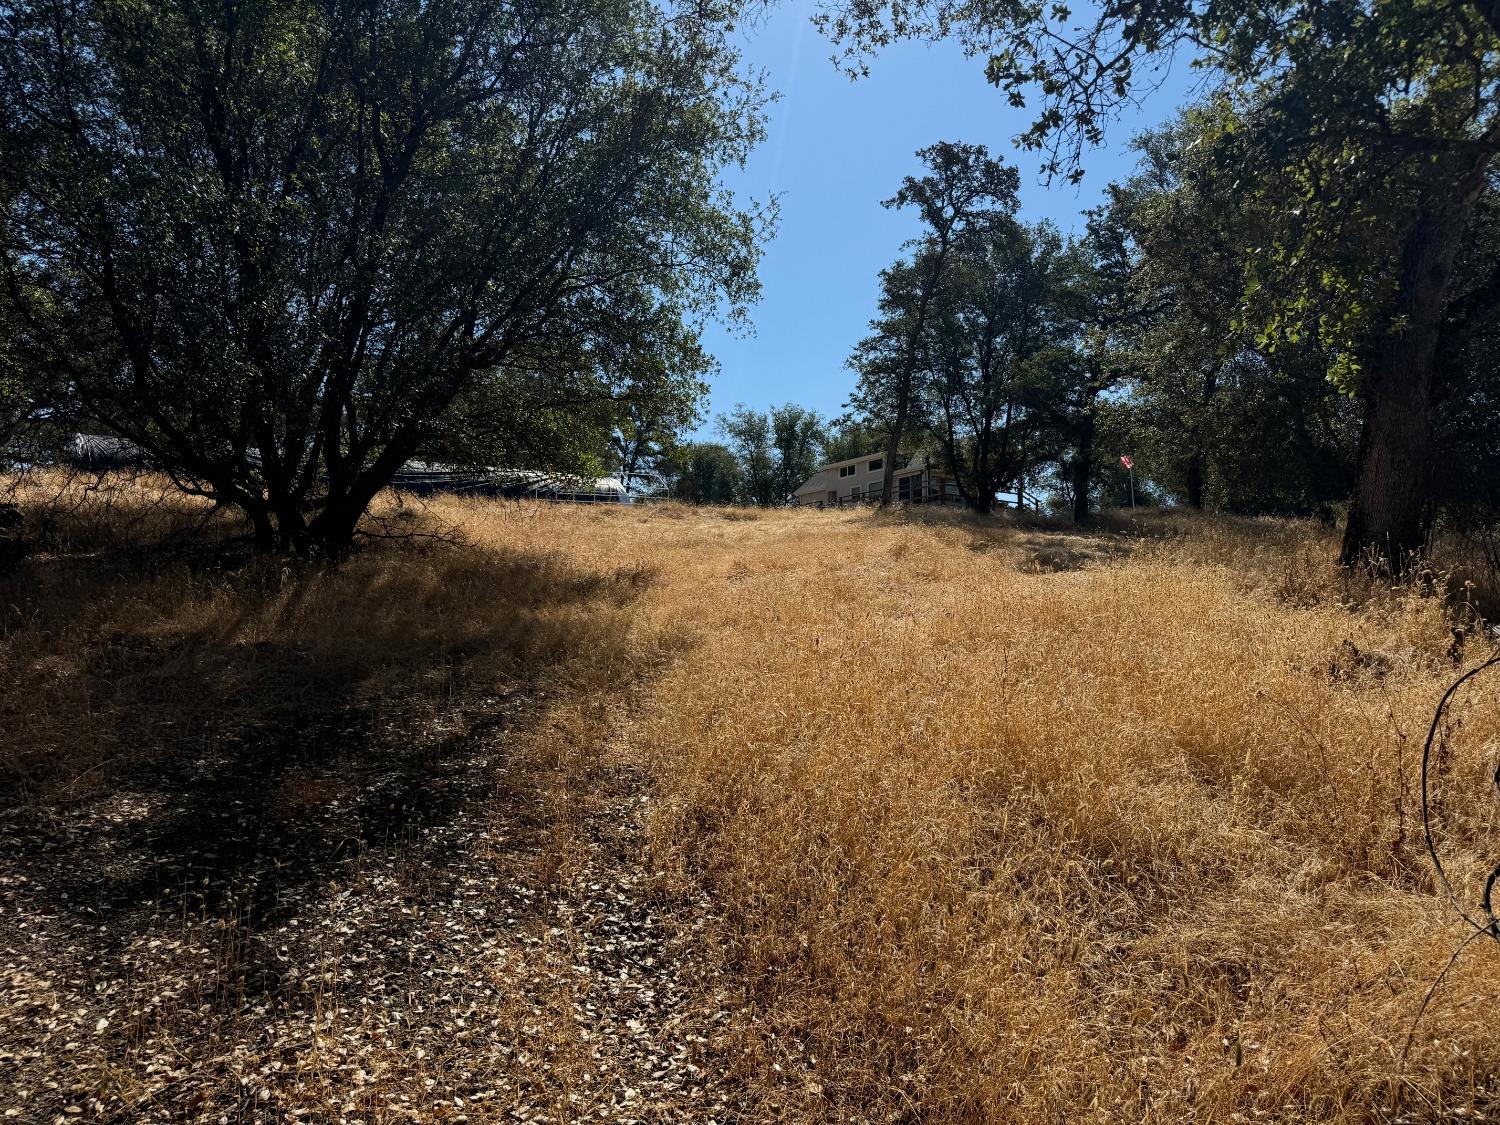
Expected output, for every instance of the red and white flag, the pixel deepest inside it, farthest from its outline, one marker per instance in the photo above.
(1126, 461)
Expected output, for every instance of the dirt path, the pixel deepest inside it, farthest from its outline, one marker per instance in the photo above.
(437, 936)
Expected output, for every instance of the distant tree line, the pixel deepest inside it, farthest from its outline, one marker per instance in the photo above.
(1028, 363)
(1031, 362)
(1339, 194)
(764, 457)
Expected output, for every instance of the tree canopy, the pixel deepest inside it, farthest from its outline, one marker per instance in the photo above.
(1366, 132)
(287, 247)
(775, 450)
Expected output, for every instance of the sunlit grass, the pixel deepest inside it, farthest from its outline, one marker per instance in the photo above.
(1005, 822)
(1137, 840)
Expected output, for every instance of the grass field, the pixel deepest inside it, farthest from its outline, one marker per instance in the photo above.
(907, 818)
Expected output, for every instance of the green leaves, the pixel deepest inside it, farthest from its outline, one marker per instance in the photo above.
(322, 238)
(775, 452)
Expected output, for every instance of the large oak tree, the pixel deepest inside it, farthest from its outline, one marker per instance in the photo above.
(287, 245)
(962, 188)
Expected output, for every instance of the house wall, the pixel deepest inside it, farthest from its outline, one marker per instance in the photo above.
(828, 479)
(862, 478)
(925, 484)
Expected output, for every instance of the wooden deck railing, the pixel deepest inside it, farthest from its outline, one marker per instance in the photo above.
(934, 497)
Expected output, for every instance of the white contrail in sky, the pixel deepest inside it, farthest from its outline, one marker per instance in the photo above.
(789, 96)
(783, 78)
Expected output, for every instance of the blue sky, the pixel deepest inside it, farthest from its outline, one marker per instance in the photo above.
(835, 149)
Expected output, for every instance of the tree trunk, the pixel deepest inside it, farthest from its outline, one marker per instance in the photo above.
(1195, 480)
(982, 498)
(892, 451)
(909, 366)
(982, 502)
(331, 532)
(291, 528)
(265, 533)
(1390, 511)
(1197, 465)
(1083, 467)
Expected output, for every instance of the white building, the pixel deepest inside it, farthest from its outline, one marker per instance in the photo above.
(859, 480)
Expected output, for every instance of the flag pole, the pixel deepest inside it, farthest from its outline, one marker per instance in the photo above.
(1132, 488)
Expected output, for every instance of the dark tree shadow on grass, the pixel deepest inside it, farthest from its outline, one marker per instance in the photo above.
(234, 753)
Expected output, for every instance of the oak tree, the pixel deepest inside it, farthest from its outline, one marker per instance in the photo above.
(285, 247)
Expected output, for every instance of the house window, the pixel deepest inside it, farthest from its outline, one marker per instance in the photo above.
(877, 491)
(877, 464)
(847, 470)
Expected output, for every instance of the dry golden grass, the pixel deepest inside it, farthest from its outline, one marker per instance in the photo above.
(1122, 842)
(288, 842)
(1001, 823)
(128, 637)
